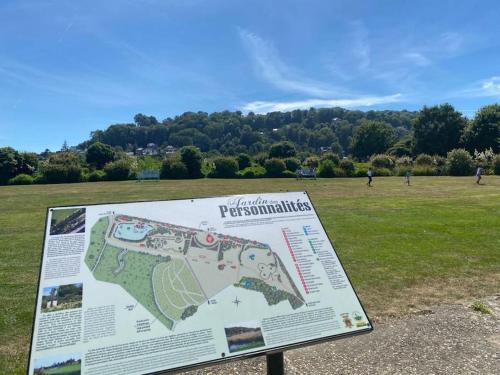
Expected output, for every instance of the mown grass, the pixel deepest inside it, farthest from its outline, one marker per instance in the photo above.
(404, 247)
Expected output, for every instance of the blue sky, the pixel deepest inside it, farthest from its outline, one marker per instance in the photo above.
(70, 67)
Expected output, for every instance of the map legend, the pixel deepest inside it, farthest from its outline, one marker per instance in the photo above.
(303, 258)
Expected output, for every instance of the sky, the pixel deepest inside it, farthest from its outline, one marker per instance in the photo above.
(70, 67)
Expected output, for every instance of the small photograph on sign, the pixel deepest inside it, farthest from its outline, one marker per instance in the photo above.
(244, 336)
(62, 297)
(67, 221)
(64, 364)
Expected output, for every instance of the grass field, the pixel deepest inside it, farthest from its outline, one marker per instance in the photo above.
(175, 293)
(135, 277)
(404, 248)
(73, 369)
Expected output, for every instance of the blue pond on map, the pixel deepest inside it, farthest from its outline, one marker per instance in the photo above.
(132, 232)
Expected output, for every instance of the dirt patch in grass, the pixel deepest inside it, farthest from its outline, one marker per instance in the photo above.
(427, 293)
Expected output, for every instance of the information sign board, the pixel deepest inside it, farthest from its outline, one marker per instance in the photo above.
(145, 287)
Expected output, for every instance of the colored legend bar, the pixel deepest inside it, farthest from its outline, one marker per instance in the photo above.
(290, 249)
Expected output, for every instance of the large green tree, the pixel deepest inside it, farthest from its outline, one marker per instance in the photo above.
(484, 130)
(9, 163)
(372, 137)
(437, 130)
(191, 157)
(98, 154)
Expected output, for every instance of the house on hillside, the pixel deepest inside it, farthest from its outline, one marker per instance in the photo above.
(151, 149)
(170, 150)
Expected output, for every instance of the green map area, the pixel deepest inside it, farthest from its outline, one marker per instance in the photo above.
(171, 270)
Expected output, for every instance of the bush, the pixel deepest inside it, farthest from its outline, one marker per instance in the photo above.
(244, 161)
(39, 179)
(382, 161)
(252, 172)
(401, 170)
(274, 167)
(312, 162)
(118, 170)
(438, 160)
(404, 161)
(148, 163)
(292, 164)
(178, 170)
(21, 179)
(424, 159)
(425, 170)
(60, 173)
(382, 172)
(484, 159)
(459, 162)
(347, 166)
(260, 158)
(282, 150)
(288, 174)
(225, 167)
(496, 165)
(96, 176)
(165, 170)
(361, 172)
(331, 156)
(327, 169)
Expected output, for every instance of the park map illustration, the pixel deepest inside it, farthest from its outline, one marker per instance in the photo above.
(171, 270)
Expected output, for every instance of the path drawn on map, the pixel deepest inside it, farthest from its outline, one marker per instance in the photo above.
(172, 270)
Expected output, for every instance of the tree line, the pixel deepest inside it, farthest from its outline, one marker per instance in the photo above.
(336, 141)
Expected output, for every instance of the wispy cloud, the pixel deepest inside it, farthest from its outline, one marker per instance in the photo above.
(417, 58)
(364, 101)
(271, 68)
(361, 48)
(92, 89)
(450, 43)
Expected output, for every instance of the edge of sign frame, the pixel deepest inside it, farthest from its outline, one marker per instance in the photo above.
(221, 360)
(37, 289)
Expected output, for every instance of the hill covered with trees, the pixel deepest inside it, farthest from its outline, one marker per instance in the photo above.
(231, 133)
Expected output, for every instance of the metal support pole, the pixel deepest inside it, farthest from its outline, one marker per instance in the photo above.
(275, 364)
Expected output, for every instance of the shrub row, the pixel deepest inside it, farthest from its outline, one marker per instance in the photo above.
(188, 164)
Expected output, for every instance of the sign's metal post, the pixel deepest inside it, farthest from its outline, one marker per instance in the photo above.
(275, 364)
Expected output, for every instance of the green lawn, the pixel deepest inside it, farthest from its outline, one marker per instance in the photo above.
(73, 369)
(403, 247)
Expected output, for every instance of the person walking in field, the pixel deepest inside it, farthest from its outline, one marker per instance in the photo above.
(407, 177)
(369, 174)
(478, 175)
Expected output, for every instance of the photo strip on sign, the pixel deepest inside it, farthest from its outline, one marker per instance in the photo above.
(145, 287)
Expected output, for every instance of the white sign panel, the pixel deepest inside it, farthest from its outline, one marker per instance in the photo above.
(139, 288)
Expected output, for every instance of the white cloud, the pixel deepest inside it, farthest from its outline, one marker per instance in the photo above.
(271, 68)
(364, 101)
(489, 87)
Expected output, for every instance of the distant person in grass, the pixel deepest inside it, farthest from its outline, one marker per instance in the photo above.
(407, 177)
(369, 174)
(478, 175)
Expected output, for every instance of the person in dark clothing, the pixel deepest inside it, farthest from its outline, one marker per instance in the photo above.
(369, 174)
